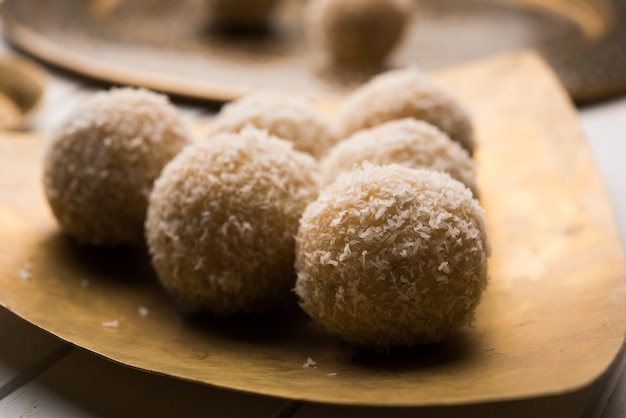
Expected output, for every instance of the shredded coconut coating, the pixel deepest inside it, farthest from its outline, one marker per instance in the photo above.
(392, 256)
(241, 13)
(408, 142)
(401, 94)
(100, 165)
(222, 221)
(357, 31)
(288, 117)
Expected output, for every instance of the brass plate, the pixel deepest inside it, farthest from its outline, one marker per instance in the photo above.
(169, 46)
(552, 320)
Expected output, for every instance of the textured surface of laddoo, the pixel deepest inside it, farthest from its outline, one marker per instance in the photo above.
(241, 13)
(288, 117)
(392, 256)
(408, 142)
(401, 94)
(357, 31)
(100, 165)
(222, 220)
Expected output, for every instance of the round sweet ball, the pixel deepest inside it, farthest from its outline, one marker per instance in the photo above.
(241, 13)
(288, 117)
(99, 167)
(408, 142)
(357, 31)
(400, 94)
(222, 220)
(392, 256)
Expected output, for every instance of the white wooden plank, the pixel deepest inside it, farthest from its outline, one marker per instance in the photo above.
(611, 391)
(24, 351)
(85, 385)
(616, 407)
(605, 129)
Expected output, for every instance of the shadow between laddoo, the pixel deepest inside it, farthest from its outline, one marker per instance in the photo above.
(123, 265)
(461, 348)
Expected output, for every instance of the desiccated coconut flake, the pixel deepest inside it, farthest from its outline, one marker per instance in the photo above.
(309, 363)
(143, 311)
(26, 272)
(331, 375)
(111, 324)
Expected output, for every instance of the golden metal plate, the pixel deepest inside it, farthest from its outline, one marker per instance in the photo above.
(552, 319)
(169, 46)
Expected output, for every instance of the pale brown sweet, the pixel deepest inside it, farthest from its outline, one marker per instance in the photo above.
(100, 165)
(408, 142)
(288, 117)
(401, 94)
(392, 256)
(222, 220)
(241, 13)
(357, 31)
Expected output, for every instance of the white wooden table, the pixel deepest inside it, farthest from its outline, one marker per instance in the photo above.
(41, 376)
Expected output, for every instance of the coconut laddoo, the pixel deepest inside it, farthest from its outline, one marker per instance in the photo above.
(408, 142)
(357, 31)
(288, 117)
(241, 13)
(100, 165)
(222, 220)
(392, 256)
(401, 94)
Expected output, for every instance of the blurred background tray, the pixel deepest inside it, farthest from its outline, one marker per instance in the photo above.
(169, 46)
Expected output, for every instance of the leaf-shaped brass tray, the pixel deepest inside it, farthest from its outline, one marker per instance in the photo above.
(552, 320)
(169, 46)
